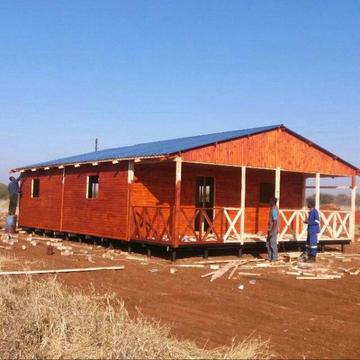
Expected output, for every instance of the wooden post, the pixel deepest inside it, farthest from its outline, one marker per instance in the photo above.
(131, 171)
(177, 198)
(317, 191)
(353, 207)
(62, 199)
(277, 185)
(243, 192)
(303, 195)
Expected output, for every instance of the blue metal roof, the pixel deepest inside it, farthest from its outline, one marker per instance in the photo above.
(153, 149)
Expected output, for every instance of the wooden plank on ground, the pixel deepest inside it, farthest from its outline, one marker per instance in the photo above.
(248, 274)
(57, 271)
(232, 272)
(219, 273)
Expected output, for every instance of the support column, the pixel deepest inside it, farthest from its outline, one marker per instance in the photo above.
(277, 185)
(353, 207)
(175, 232)
(131, 170)
(242, 204)
(303, 195)
(317, 191)
(62, 199)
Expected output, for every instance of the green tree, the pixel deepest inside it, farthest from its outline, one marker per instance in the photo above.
(324, 198)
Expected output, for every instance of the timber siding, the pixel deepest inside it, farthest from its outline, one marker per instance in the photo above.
(105, 216)
(271, 149)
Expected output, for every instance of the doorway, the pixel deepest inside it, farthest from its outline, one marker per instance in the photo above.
(204, 199)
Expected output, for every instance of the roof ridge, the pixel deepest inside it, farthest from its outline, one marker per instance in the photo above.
(154, 148)
(259, 128)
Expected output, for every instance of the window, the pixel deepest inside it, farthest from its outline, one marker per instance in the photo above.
(204, 191)
(35, 188)
(92, 188)
(267, 191)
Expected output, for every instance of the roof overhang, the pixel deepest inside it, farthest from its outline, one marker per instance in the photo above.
(94, 163)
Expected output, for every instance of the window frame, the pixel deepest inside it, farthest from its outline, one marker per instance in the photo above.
(88, 183)
(33, 195)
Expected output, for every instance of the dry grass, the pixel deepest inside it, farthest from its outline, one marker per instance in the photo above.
(4, 205)
(42, 319)
(6, 259)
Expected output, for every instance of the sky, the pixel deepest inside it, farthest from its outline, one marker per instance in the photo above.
(136, 71)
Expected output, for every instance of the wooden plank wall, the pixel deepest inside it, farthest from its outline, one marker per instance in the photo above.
(42, 212)
(105, 216)
(270, 150)
(154, 184)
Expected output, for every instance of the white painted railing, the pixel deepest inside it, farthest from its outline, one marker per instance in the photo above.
(334, 225)
(234, 232)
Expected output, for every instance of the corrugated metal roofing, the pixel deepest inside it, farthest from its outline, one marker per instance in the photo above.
(153, 149)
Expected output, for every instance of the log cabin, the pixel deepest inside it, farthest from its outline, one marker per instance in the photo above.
(209, 190)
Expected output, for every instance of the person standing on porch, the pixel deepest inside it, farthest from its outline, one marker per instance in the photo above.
(271, 241)
(313, 223)
(14, 190)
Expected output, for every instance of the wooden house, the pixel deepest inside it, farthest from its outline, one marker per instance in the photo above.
(207, 190)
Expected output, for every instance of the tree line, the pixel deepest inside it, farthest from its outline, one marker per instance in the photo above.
(339, 199)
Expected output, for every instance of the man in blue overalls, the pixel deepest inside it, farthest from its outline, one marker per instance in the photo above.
(313, 223)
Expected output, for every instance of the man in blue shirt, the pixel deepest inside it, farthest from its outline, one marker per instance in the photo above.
(14, 190)
(313, 223)
(273, 225)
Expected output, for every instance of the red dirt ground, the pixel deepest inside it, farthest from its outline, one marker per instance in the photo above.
(301, 319)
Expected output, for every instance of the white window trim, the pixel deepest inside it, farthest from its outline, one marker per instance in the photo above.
(87, 187)
(32, 188)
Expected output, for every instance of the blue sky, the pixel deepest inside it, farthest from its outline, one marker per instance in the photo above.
(135, 71)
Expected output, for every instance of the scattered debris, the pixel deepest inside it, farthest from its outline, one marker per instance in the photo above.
(248, 274)
(320, 277)
(129, 257)
(173, 270)
(108, 255)
(233, 272)
(67, 252)
(190, 266)
(214, 267)
(208, 274)
(241, 287)
(153, 270)
(219, 273)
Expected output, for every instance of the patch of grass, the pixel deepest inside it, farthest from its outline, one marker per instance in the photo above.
(43, 319)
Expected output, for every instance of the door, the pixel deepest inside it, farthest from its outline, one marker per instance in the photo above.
(204, 199)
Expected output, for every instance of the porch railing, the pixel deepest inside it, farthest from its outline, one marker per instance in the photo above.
(216, 224)
(225, 225)
(151, 223)
(155, 223)
(334, 225)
